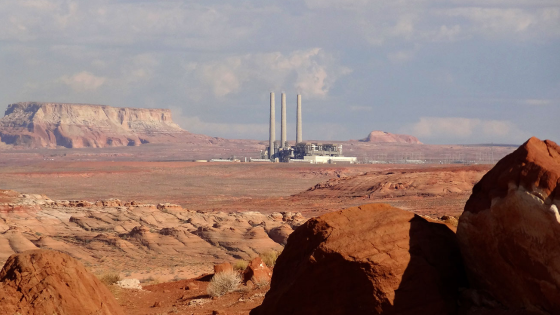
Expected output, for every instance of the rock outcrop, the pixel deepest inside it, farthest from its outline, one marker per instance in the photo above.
(121, 234)
(257, 271)
(378, 136)
(510, 229)
(373, 259)
(38, 125)
(49, 282)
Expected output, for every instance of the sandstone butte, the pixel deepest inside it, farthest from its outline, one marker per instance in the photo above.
(510, 230)
(38, 125)
(39, 282)
(372, 259)
(378, 136)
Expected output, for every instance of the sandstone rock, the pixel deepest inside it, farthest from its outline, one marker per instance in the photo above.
(130, 284)
(257, 271)
(76, 125)
(280, 234)
(48, 282)
(373, 259)
(223, 267)
(510, 229)
(378, 136)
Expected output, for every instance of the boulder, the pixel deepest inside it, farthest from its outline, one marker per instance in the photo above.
(49, 282)
(510, 229)
(257, 271)
(372, 259)
(223, 267)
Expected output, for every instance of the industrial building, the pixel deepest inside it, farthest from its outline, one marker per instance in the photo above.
(281, 151)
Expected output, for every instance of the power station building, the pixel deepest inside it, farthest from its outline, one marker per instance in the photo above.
(281, 151)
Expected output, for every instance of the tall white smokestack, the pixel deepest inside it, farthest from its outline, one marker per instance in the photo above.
(284, 131)
(299, 135)
(272, 132)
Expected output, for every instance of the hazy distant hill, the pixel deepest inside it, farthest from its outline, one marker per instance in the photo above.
(38, 125)
(378, 136)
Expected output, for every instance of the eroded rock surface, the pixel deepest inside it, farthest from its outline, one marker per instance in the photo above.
(38, 125)
(373, 259)
(118, 236)
(49, 282)
(510, 229)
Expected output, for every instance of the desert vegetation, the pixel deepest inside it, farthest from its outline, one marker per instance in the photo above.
(270, 257)
(223, 283)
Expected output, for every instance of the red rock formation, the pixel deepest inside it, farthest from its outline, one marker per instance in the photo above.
(257, 271)
(223, 267)
(510, 229)
(378, 136)
(48, 282)
(77, 125)
(373, 259)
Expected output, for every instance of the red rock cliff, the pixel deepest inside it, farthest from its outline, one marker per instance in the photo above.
(35, 125)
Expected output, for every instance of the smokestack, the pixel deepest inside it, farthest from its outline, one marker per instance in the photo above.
(283, 138)
(299, 136)
(272, 132)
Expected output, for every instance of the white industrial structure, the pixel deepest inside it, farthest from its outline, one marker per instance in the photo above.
(301, 152)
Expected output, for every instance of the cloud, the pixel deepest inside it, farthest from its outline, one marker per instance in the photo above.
(460, 129)
(83, 81)
(311, 72)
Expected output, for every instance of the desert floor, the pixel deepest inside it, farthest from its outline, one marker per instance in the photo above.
(428, 189)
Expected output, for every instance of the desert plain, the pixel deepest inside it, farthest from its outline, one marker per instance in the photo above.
(163, 219)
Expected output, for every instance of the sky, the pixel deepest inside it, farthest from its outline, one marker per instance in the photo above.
(445, 71)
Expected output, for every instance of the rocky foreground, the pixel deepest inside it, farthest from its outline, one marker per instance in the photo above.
(377, 259)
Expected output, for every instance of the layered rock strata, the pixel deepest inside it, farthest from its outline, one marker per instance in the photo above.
(510, 229)
(372, 259)
(38, 125)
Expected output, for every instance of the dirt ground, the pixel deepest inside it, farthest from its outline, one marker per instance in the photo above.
(427, 189)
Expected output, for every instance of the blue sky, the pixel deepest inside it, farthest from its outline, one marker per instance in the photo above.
(451, 71)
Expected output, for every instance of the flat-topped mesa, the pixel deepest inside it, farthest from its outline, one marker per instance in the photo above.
(378, 136)
(33, 124)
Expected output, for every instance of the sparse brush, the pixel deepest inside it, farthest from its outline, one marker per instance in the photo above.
(150, 280)
(110, 278)
(269, 258)
(223, 283)
(260, 282)
(240, 265)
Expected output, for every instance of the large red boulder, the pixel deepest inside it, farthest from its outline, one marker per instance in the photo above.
(373, 259)
(509, 232)
(49, 282)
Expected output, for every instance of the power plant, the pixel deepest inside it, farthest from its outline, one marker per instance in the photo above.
(281, 151)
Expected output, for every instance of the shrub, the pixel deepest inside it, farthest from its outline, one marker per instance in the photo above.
(260, 282)
(269, 258)
(110, 278)
(223, 283)
(240, 265)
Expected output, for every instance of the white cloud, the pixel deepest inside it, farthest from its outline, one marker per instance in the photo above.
(460, 129)
(311, 72)
(83, 81)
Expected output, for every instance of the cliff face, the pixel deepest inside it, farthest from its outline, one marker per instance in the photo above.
(386, 137)
(39, 125)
